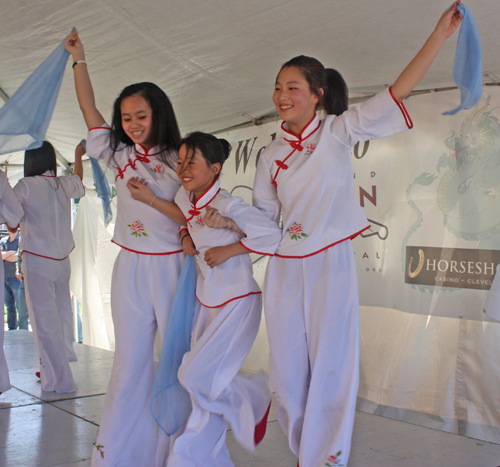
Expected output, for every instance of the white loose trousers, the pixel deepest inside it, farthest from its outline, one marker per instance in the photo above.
(221, 340)
(141, 295)
(312, 318)
(49, 306)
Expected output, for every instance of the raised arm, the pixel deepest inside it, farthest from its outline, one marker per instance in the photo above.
(418, 67)
(83, 85)
(78, 167)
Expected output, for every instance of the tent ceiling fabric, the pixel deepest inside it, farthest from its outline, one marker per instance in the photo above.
(217, 59)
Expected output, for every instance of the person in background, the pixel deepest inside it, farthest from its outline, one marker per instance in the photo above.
(47, 241)
(9, 246)
(21, 295)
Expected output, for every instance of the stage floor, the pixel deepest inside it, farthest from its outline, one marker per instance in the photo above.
(40, 429)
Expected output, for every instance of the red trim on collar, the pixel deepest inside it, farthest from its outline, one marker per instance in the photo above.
(204, 193)
(405, 113)
(303, 130)
(144, 253)
(197, 210)
(232, 299)
(48, 176)
(296, 145)
(146, 151)
(326, 247)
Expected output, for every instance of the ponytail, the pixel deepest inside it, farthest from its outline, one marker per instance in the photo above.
(335, 97)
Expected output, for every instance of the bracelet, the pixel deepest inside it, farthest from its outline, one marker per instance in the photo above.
(185, 237)
(77, 62)
(152, 201)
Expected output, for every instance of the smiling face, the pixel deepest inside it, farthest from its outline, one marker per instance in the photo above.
(294, 100)
(194, 172)
(137, 120)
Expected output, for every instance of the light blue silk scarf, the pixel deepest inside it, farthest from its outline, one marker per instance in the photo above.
(24, 118)
(467, 72)
(171, 404)
(103, 189)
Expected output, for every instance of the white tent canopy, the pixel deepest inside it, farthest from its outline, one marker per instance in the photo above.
(217, 59)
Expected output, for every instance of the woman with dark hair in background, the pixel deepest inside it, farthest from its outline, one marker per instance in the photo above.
(46, 242)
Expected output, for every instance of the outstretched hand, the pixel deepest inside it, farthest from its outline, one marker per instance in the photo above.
(449, 21)
(139, 190)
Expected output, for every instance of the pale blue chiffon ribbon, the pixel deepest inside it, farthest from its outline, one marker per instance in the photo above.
(171, 404)
(103, 189)
(24, 118)
(467, 72)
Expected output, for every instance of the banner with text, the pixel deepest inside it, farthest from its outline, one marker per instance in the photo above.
(432, 197)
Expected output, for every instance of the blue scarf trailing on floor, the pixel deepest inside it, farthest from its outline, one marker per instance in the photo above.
(467, 72)
(171, 404)
(24, 118)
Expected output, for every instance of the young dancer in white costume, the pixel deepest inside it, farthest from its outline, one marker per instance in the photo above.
(141, 142)
(228, 308)
(11, 213)
(46, 242)
(310, 293)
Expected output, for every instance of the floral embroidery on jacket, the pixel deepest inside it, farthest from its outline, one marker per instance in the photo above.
(334, 460)
(100, 448)
(157, 169)
(137, 229)
(199, 221)
(310, 149)
(296, 232)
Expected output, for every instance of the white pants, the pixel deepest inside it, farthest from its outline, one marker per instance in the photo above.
(141, 294)
(312, 317)
(4, 369)
(221, 340)
(49, 306)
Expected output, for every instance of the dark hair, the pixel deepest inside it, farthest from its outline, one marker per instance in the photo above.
(334, 98)
(213, 150)
(38, 161)
(164, 132)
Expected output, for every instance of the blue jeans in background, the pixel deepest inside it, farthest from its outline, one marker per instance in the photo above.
(15, 298)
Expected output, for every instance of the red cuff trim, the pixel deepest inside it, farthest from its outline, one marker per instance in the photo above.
(183, 228)
(326, 247)
(405, 113)
(145, 253)
(231, 300)
(100, 128)
(252, 251)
